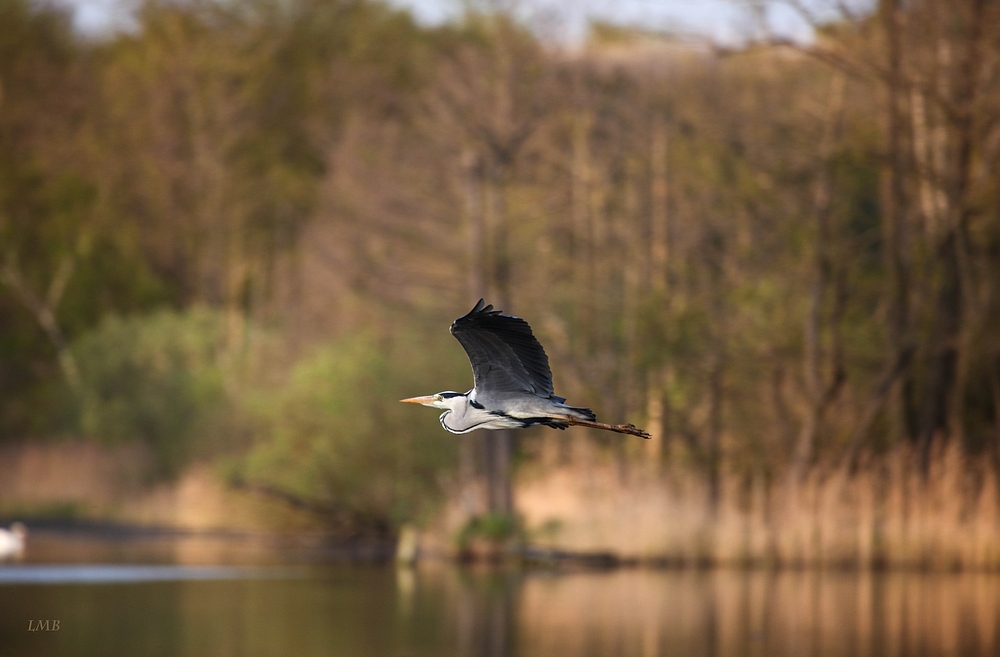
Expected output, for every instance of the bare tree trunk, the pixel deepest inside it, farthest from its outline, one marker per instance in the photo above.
(632, 239)
(472, 173)
(821, 393)
(994, 368)
(714, 446)
(495, 112)
(499, 444)
(44, 310)
(896, 238)
(655, 416)
(876, 401)
(941, 379)
(924, 164)
(659, 233)
(955, 306)
(657, 410)
(583, 247)
(500, 488)
(714, 256)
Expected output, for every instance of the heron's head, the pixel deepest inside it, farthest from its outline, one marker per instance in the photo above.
(443, 400)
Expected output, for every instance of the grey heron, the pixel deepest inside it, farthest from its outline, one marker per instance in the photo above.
(512, 381)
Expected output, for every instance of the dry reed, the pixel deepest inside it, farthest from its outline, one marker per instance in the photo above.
(888, 513)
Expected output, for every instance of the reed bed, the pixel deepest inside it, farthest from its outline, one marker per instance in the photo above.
(886, 513)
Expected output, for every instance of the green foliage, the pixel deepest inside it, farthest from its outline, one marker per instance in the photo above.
(493, 527)
(68, 510)
(672, 222)
(156, 379)
(336, 432)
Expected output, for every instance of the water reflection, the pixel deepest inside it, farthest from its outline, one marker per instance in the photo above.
(120, 574)
(484, 605)
(437, 609)
(736, 613)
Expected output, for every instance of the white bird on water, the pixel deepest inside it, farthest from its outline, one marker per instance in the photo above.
(12, 541)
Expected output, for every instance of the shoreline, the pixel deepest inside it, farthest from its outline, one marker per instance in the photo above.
(133, 543)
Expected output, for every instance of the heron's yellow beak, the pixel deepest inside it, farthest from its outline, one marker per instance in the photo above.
(426, 401)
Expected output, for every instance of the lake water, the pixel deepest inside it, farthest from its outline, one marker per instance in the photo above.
(150, 607)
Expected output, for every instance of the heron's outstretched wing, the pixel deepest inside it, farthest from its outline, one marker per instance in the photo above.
(505, 355)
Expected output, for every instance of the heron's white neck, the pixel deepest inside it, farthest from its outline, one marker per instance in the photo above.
(460, 415)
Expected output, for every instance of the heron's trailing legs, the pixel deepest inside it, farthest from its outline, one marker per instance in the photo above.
(630, 429)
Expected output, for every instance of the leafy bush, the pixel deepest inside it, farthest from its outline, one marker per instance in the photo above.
(337, 434)
(156, 379)
(333, 434)
(494, 527)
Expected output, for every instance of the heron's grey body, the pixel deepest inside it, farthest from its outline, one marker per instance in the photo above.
(513, 382)
(468, 412)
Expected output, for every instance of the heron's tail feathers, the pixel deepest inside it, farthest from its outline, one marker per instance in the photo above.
(580, 412)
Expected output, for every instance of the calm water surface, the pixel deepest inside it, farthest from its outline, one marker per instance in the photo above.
(153, 608)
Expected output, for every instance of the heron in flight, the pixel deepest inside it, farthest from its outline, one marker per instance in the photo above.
(513, 382)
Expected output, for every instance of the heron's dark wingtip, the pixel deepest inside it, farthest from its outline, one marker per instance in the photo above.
(480, 309)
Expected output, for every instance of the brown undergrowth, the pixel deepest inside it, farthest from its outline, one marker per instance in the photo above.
(887, 513)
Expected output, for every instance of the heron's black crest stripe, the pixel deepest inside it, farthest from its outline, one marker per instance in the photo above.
(504, 353)
(450, 395)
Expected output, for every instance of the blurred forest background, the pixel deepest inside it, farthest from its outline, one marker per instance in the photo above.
(237, 236)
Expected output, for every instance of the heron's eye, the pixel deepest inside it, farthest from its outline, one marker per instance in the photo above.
(438, 398)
